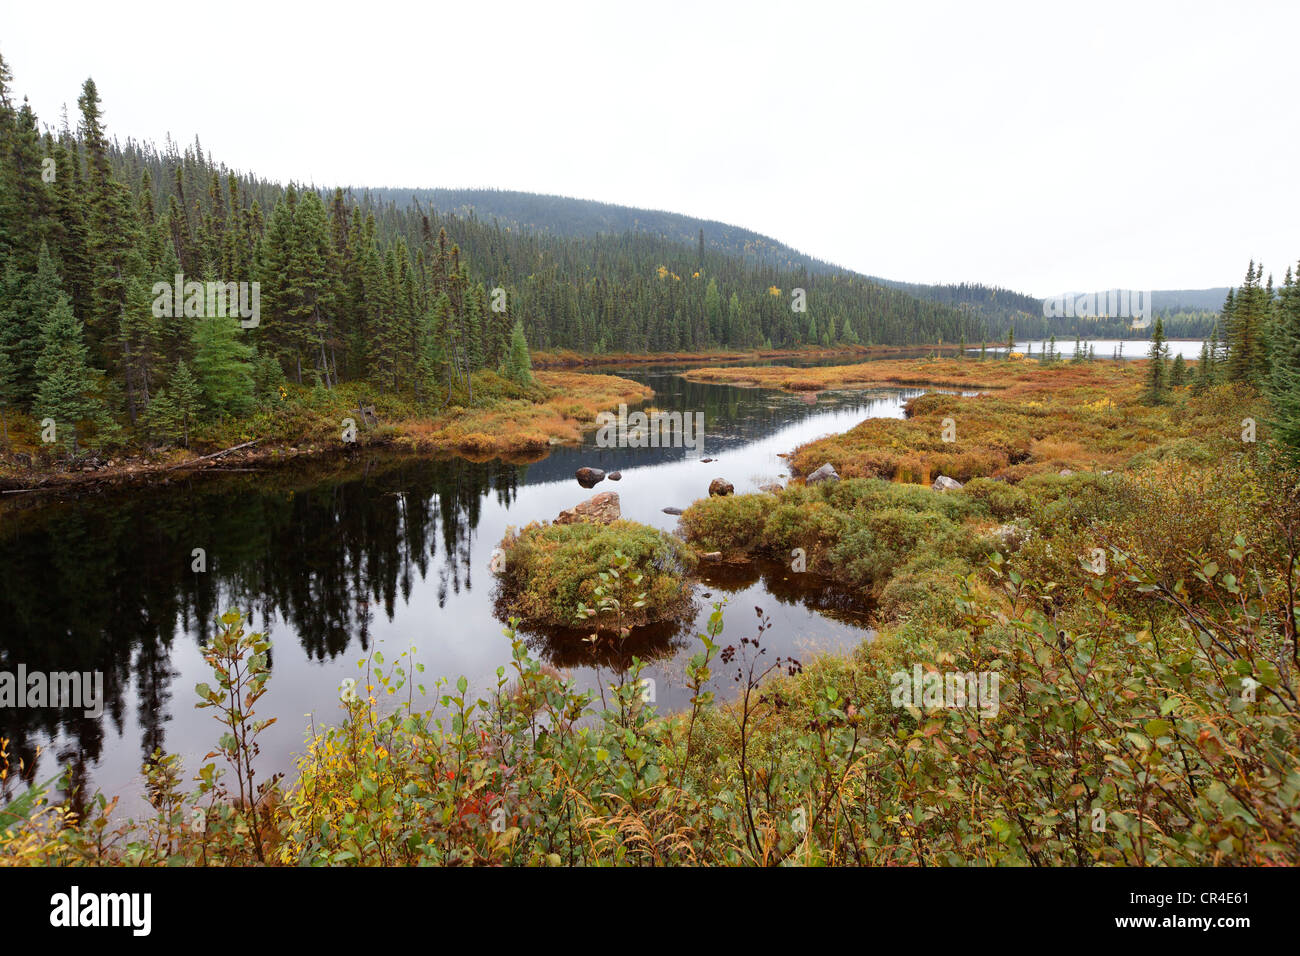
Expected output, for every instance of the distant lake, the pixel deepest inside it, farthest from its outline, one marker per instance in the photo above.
(1189, 349)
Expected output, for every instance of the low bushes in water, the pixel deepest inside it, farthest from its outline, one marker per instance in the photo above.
(551, 569)
(858, 531)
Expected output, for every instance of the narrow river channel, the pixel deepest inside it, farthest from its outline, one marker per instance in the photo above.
(384, 552)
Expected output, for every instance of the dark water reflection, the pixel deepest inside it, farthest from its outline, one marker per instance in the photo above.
(334, 559)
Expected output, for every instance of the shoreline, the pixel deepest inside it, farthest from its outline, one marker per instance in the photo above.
(544, 425)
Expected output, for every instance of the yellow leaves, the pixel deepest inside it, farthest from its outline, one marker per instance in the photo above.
(663, 272)
(773, 290)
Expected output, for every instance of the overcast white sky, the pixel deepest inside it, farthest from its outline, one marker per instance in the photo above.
(1035, 146)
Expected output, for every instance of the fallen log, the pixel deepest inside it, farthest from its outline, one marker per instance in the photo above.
(215, 454)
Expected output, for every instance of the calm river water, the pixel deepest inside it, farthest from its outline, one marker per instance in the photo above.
(335, 559)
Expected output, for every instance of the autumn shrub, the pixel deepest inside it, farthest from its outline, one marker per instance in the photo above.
(870, 495)
(728, 523)
(1002, 499)
(1173, 513)
(860, 529)
(1073, 501)
(1184, 451)
(925, 588)
(880, 542)
(550, 569)
(801, 519)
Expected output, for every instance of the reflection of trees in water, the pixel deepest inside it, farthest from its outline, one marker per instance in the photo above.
(608, 658)
(734, 417)
(568, 647)
(827, 597)
(106, 583)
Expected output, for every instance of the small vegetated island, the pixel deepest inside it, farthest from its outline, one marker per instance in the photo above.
(628, 574)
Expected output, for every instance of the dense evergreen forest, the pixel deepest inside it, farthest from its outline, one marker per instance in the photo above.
(570, 218)
(384, 287)
(1187, 313)
(350, 288)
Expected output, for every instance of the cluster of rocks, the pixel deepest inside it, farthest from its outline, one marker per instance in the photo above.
(597, 508)
(590, 477)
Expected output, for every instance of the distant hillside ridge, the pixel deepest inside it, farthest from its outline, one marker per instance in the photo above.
(1192, 311)
(570, 218)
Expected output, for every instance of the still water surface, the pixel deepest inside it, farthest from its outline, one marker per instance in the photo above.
(336, 559)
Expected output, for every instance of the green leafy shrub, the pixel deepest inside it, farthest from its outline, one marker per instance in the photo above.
(551, 569)
(727, 522)
(1002, 499)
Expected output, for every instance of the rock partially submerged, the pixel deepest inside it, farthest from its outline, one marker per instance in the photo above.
(944, 483)
(720, 487)
(672, 511)
(825, 473)
(601, 509)
(588, 477)
(615, 476)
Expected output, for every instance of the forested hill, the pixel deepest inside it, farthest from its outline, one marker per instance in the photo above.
(352, 287)
(1187, 313)
(570, 218)
(584, 218)
(1189, 300)
(998, 308)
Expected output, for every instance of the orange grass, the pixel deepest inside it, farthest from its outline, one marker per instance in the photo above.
(1044, 418)
(941, 372)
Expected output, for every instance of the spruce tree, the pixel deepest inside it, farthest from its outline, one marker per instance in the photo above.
(1248, 343)
(1178, 373)
(1283, 386)
(25, 300)
(222, 367)
(161, 420)
(1203, 371)
(1157, 380)
(67, 390)
(8, 393)
(186, 399)
(519, 363)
